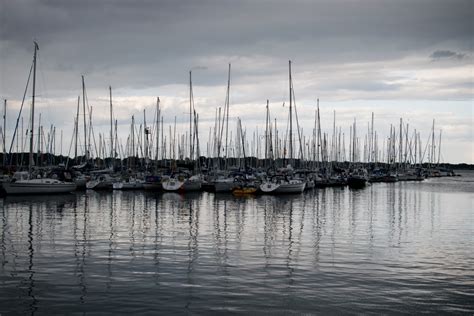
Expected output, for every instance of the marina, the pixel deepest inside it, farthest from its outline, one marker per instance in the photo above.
(322, 160)
(236, 157)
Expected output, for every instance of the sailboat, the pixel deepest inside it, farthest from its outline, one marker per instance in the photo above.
(285, 183)
(25, 182)
(185, 181)
(279, 184)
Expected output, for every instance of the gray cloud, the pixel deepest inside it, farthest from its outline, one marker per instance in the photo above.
(442, 54)
(167, 35)
(342, 50)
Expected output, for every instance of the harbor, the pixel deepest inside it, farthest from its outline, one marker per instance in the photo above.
(200, 157)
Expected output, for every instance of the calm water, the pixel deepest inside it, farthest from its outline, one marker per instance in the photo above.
(389, 248)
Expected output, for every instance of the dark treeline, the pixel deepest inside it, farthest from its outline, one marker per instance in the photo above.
(18, 161)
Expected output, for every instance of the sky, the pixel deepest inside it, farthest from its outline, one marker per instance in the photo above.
(398, 59)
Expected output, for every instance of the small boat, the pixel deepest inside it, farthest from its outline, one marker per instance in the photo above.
(244, 191)
(128, 184)
(172, 184)
(282, 185)
(182, 184)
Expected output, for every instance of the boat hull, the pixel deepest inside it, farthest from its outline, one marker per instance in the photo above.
(224, 186)
(99, 185)
(244, 191)
(172, 185)
(80, 183)
(128, 185)
(181, 186)
(153, 183)
(152, 186)
(191, 186)
(283, 188)
(356, 182)
(38, 186)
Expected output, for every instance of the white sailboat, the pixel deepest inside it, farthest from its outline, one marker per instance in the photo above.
(282, 185)
(285, 183)
(128, 184)
(182, 184)
(185, 181)
(24, 182)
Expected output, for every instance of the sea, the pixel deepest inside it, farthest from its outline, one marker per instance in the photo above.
(390, 248)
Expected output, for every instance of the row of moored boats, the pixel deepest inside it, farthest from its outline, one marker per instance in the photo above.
(281, 181)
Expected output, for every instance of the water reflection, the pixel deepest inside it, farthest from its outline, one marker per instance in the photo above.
(325, 250)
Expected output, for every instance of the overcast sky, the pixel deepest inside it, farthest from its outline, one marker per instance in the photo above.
(410, 59)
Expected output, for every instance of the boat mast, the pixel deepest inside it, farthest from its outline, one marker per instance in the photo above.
(439, 148)
(31, 162)
(227, 117)
(267, 122)
(157, 137)
(163, 148)
(111, 128)
(432, 145)
(132, 162)
(145, 139)
(190, 116)
(196, 137)
(320, 141)
(4, 132)
(291, 119)
(76, 128)
(86, 153)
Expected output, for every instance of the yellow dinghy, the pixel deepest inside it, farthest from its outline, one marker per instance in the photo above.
(244, 191)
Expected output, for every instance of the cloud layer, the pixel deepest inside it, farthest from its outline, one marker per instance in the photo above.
(356, 56)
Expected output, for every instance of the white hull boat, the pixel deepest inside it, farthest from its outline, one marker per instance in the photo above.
(128, 185)
(283, 187)
(38, 186)
(171, 185)
(187, 185)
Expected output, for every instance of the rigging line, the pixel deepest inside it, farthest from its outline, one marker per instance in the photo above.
(286, 138)
(19, 114)
(72, 141)
(296, 116)
(43, 84)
